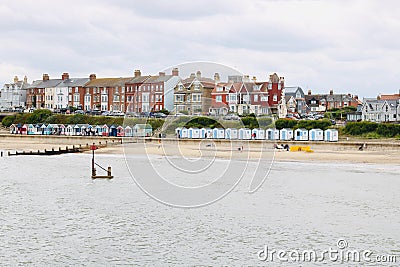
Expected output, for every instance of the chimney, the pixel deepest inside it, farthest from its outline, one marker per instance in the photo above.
(175, 72)
(65, 76)
(92, 76)
(15, 79)
(331, 92)
(309, 92)
(192, 75)
(217, 79)
(161, 73)
(254, 79)
(246, 78)
(198, 74)
(356, 97)
(137, 73)
(25, 79)
(46, 77)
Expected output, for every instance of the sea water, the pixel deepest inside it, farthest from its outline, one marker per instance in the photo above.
(54, 214)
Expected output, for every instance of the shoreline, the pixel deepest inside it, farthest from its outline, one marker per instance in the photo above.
(342, 151)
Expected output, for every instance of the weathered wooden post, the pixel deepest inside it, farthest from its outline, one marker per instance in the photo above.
(93, 148)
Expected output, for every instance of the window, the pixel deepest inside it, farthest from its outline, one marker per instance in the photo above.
(255, 98)
(219, 88)
(275, 98)
(218, 98)
(269, 86)
(76, 97)
(76, 90)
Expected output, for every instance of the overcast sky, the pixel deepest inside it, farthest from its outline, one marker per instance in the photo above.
(347, 46)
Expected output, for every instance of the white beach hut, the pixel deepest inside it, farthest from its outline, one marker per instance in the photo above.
(258, 134)
(331, 135)
(69, 130)
(218, 133)
(183, 133)
(193, 133)
(272, 134)
(316, 135)
(231, 133)
(61, 129)
(301, 134)
(128, 131)
(286, 134)
(244, 134)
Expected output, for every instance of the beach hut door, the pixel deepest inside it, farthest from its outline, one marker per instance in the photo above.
(328, 135)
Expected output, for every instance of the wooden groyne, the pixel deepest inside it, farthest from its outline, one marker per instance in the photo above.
(59, 150)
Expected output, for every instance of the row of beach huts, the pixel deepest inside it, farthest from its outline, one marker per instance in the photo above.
(329, 135)
(138, 130)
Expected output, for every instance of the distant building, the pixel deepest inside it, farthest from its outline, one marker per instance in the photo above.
(14, 94)
(39, 90)
(245, 96)
(193, 94)
(376, 110)
(106, 94)
(325, 102)
(295, 100)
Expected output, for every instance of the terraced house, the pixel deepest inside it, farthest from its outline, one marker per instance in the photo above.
(378, 110)
(14, 94)
(106, 94)
(36, 92)
(243, 96)
(193, 94)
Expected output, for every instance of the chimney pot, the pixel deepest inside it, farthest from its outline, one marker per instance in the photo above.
(137, 73)
(65, 76)
(309, 92)
(175, 72)
(46, 77)
(92, 76)
(198, 74)
(331, 92)
(15, 79)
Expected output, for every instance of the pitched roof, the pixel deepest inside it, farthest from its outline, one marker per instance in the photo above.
(108, 82)
(390, 97)
(73, 82)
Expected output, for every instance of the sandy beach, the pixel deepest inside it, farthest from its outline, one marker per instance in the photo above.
(208, 148)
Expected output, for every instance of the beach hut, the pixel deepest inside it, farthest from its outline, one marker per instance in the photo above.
(61, 129)
(331, 135)
(301, 134)
(193, 133)
(145, 130)
(316, 135)
(37, 128)
(98, 130)
(209, 133)
(258, 134)
(24, 129)
(218, 133)
(69, 130)
(43, 128)
(113, 130)
(272, 134)
(128, 131)
(231, 133)
(31, 129)
(203, 132)
(120, 131)
(48, 130)
(244, 134)
(183, 133)
(286, 134)
(105, 130)
(178, 131)
(13, 129)
(55, 129)
(77, 130)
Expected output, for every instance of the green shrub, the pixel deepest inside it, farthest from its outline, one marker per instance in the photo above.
(359, 128)
(8, 120)
(285, 123)
(316, 124)
(38, 116)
